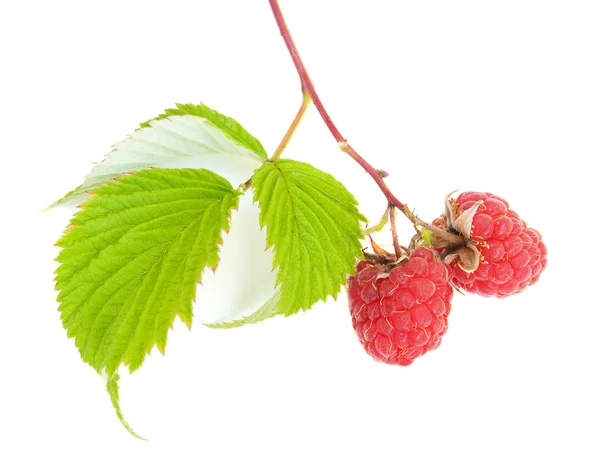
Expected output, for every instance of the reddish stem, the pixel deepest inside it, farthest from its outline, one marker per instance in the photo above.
(304, 79)
(376, 175)
(309, 87)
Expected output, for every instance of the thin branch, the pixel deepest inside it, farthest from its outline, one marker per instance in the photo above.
(307, 84)
(306, 100)
(376, 175)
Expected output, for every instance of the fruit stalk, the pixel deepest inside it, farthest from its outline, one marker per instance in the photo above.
(377, 175)
(397, 248)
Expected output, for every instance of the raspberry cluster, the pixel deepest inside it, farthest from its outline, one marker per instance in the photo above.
(399, 313)
(512, 255)
(400, 306)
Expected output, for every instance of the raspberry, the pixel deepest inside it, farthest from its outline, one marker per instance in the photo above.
(510, 255)
(402, 312)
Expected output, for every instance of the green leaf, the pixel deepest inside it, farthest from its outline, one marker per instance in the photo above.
(112, 387)
(229, 126)
(313, 224)
(267, 310)
(159, 144)
(132, 257)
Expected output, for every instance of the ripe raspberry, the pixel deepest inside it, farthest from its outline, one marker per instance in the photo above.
(400, 313)
(510, 256)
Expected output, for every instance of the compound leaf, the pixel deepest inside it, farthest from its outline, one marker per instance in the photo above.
(132, 257)
(313, 224)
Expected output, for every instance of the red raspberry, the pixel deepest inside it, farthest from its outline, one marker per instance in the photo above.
(400, 313)
(511, 255)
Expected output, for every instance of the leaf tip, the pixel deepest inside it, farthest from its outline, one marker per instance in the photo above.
(112, 387)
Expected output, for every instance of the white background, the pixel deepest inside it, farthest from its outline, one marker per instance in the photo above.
(492, 96)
